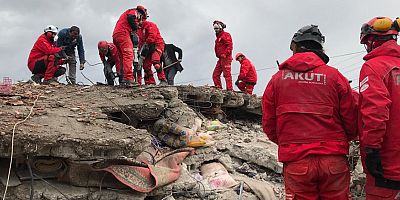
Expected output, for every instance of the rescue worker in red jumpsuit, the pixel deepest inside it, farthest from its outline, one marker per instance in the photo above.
(151, 46)
(109, 56)
(247, 78)
(223, 50)
(309, 112)
(380, 108)
(45, 59)
(127, 25)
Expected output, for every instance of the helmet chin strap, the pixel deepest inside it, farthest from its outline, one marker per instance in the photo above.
(376, 42)
(367, 48)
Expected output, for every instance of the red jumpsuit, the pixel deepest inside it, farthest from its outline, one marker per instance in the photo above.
(309, 111)
(247, 76)
(380, 114)
(149, 34)
(223, 50)
(122, 40)
(44, 49)
(112, 57)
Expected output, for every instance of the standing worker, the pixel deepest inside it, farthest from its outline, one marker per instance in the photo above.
(109, 56)
(71, 38)
(170, 63)
(152, 46)
(44, 59)
(247, 78)
(380, 108)
(309, 112)
(223, 51)
(126, 26)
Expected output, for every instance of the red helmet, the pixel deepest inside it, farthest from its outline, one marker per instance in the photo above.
(142, 11)
(238, 55)
(380, 26)
(102, 46)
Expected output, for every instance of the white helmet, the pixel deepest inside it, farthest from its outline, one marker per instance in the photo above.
(51, 28)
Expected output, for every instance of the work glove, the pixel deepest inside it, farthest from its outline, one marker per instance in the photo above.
(152, 48)
(108, 73)
(60, 54)
(144, 51)
(373, 162)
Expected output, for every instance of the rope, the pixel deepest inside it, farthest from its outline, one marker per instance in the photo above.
(203, 79)
(342, 61)
(58, 190)
(12, 146)
(92, 65)
(347, 54)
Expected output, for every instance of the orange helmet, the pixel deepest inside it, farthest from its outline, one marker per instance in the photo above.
(380, 26)
(102, 46)
(142, 11)
(238, 55)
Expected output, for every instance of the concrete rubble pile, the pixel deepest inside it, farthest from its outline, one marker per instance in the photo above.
(71, 126)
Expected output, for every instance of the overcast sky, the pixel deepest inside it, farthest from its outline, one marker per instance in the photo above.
(261, 29)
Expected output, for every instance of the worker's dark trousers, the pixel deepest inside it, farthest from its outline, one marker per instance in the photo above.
(170, 74)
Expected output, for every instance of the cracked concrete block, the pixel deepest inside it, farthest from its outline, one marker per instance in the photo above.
(258, 153)
(204, 155)
(233, 100)
(169, 93)
(175, 102)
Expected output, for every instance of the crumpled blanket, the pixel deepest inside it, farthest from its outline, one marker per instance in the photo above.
(260, 189)
(150, 176)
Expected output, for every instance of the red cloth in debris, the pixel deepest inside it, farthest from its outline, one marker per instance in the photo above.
(146, 179)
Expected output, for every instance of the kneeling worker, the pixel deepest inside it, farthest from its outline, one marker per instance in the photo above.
(248, 76)
(44, 58)
(108, 53)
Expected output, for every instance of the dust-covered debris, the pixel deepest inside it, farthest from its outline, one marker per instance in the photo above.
(78, 124)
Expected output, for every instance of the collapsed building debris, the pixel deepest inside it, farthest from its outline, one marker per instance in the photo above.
(74, 128)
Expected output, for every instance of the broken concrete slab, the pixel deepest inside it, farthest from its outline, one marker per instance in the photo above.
(71, 122)
(210, 96)
(258, 153)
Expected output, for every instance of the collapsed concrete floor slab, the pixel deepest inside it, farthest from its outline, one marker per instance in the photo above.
(86, 123)
(70, 122)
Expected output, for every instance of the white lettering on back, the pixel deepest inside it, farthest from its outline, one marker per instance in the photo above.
(397, 196)
(304, 77)
(288, 75)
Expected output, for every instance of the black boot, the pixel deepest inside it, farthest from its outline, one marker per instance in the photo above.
(37, 78)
